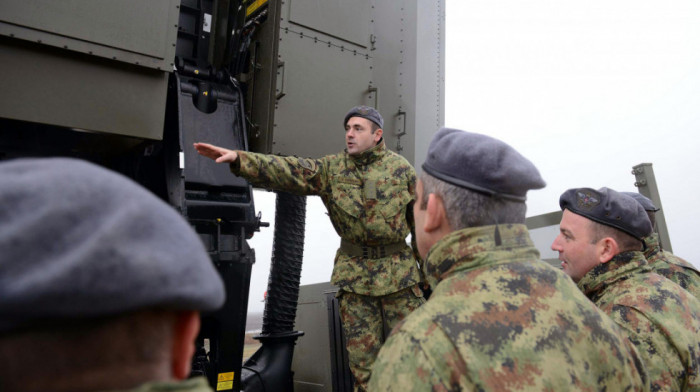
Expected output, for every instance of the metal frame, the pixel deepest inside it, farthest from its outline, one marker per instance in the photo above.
(645, 181)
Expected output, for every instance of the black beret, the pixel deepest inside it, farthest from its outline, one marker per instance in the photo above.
(643, 200)
(80, 241)
(481, 163)
(367, 112)
(608, 207)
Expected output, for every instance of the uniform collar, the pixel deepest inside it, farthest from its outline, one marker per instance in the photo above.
(369, 156)
(475, 247)
(653, 247)
(618, 268)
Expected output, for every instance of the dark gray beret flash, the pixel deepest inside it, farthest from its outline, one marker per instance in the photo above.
(78, 240)
(365, 112)
(643, 200)
(481, 163)
(608, 207)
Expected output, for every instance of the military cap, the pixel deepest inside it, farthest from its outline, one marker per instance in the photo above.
(367, 112)
(643, 200)
(608, 207)
(81, 241)
(481, 163)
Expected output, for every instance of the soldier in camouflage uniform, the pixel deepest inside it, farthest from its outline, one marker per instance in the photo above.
(499, 319)
(600, 244)
(666, 263)
(368, 191)
(101, 283)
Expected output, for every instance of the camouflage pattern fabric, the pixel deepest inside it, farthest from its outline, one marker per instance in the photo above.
(499, 319)
(197, 384)
(368, 197)
(660, 318)
(672, 267)
(366, 322)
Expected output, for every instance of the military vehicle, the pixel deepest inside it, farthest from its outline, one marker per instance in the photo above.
(131, 84)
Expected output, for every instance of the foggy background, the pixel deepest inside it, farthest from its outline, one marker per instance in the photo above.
(585, 90)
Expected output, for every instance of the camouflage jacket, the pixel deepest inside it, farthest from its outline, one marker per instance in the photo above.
(499, 319)
(198, 384)
(659, 317)
(672, 267)
(369, 200)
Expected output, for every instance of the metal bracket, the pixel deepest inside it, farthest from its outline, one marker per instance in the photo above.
(645, 181)
(280, 80)
(374, 90)
(400, 124)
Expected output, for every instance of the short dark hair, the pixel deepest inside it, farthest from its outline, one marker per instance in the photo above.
(374, 127)
(466, 208)
(137, 342)
(624, 241)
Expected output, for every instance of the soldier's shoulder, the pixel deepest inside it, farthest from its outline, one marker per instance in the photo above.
(679, 261)
(662, 299)
(399, 166)
(397, 158)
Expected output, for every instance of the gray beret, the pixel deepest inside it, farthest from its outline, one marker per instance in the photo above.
(80, 241)
(481, 163)
(608, 207)
(643, 200)
(365, 112)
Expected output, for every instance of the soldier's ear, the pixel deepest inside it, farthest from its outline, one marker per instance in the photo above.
(378, 135)
(435, 216)
(606, 249)
(186, 328)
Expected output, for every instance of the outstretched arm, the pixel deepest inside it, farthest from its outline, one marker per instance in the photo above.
(219, 154)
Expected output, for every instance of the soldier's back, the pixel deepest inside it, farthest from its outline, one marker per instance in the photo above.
(677, 270)
(511, 326)
(663, 321)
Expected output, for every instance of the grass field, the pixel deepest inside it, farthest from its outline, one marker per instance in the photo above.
(250, 345)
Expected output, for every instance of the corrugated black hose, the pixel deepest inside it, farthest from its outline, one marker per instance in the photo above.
(269, 369)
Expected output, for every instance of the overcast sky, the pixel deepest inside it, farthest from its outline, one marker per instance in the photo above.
(585, 90)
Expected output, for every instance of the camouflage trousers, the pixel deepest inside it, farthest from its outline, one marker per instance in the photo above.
(367, 321)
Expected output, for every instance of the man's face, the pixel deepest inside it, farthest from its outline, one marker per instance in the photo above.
(422, 239)
(359, 136)
(576, 252)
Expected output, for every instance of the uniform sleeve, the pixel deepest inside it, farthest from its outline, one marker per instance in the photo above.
(403, 365)
(659, 356)
(302, 176)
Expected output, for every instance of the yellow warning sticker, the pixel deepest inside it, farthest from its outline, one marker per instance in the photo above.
(222, 386)
(225, 377)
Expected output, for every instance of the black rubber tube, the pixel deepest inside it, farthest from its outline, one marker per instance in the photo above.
(270, 368)
(285, 268)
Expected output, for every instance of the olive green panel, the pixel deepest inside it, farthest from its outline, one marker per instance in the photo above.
(262, 79)
(133, 31)
(393, 55)
(312, 354)
(58, 87)
(346, 20)
(319, 79)
(398, 67)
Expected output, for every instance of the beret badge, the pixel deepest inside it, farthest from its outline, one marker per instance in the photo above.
(587, 199)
